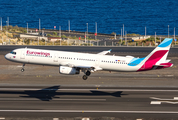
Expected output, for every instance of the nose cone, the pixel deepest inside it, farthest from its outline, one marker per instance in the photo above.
(7, 56)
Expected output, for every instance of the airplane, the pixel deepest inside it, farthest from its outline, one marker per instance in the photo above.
(71, 63)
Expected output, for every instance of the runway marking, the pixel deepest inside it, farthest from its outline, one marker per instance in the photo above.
(175, 98)
(159, 102)
(170, 101)
(134, 90)
(155, 102)
(55, 118)
(53, 99)
(19, 66)
(90, 111)
(85, 118)
(169, 75)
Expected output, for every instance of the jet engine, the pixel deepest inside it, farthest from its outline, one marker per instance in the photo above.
(68, 70)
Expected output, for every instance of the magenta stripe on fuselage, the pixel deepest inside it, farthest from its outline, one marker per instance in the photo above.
(153, 60)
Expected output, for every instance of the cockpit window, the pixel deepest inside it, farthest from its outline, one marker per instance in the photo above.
(13, 52)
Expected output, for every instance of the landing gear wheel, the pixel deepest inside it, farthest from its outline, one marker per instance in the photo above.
(85, 77)
(88, 73)
(22, 70)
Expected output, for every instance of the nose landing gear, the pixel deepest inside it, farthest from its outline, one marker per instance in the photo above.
(22, 70)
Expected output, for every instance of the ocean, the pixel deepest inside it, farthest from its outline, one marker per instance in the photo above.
(110, 15)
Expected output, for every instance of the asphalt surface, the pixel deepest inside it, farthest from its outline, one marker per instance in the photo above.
(56, 101)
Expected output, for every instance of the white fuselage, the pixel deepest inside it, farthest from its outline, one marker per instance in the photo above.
(61, 58)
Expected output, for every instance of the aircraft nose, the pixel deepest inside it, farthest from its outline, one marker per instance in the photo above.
(7, 56)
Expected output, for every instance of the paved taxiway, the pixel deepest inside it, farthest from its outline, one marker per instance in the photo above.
(41, 91)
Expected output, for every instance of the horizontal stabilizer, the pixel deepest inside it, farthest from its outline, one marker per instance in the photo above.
(163, 65)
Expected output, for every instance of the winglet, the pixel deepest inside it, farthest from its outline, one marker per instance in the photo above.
(105, 52)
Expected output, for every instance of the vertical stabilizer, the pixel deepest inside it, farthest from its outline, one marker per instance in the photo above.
(157, 56)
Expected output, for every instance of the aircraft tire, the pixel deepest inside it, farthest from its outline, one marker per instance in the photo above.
(22, 70)
(88, 73)
(85, 77)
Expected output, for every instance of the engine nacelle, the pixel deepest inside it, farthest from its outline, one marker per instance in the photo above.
(68, 70)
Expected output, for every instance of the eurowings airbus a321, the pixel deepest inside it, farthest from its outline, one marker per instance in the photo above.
(71, 63)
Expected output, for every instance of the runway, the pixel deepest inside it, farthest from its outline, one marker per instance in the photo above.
(41, 93)
(57, 101)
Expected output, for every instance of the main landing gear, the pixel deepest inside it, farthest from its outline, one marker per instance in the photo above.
(22, 70)
(86, 75)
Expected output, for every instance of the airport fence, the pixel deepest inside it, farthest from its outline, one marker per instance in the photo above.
(81, 43)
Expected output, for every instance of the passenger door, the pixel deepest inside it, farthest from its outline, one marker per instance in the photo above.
(97, 62)
(22, 55)
(55, 58)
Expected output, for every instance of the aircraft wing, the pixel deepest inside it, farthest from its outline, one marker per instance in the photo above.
(93, 68)
(105, 52)
(80, 65)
